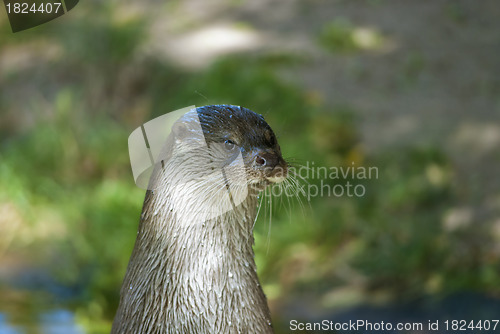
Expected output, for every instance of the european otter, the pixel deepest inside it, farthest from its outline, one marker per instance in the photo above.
(192, 269)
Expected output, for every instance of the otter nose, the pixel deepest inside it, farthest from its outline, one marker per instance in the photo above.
(265, 159)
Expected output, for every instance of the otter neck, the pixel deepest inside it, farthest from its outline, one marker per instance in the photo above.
(189, 275)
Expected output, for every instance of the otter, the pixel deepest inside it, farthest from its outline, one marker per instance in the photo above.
(192, 269)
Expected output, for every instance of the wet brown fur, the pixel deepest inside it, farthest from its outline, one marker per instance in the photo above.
(191, 275)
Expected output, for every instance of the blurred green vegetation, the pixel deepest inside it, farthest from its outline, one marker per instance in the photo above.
(342, 36)
(68, 178)
(337, 36)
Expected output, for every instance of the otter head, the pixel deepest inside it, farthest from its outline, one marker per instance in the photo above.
(218, 155)
(237, 130)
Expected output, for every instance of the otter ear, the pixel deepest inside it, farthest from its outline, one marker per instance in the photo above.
(180, 130)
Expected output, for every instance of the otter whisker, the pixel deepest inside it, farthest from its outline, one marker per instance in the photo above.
(285, 186)
(270, 220)
(298, 192)
(259, 206)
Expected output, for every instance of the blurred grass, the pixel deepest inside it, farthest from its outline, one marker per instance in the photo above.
(340, 35)
(69, 180)
(337, 36)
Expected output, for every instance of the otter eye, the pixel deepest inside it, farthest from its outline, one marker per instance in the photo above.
(230, 145)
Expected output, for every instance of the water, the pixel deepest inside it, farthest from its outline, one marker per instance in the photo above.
(32, 302)
(5, 328)
(58, 321)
